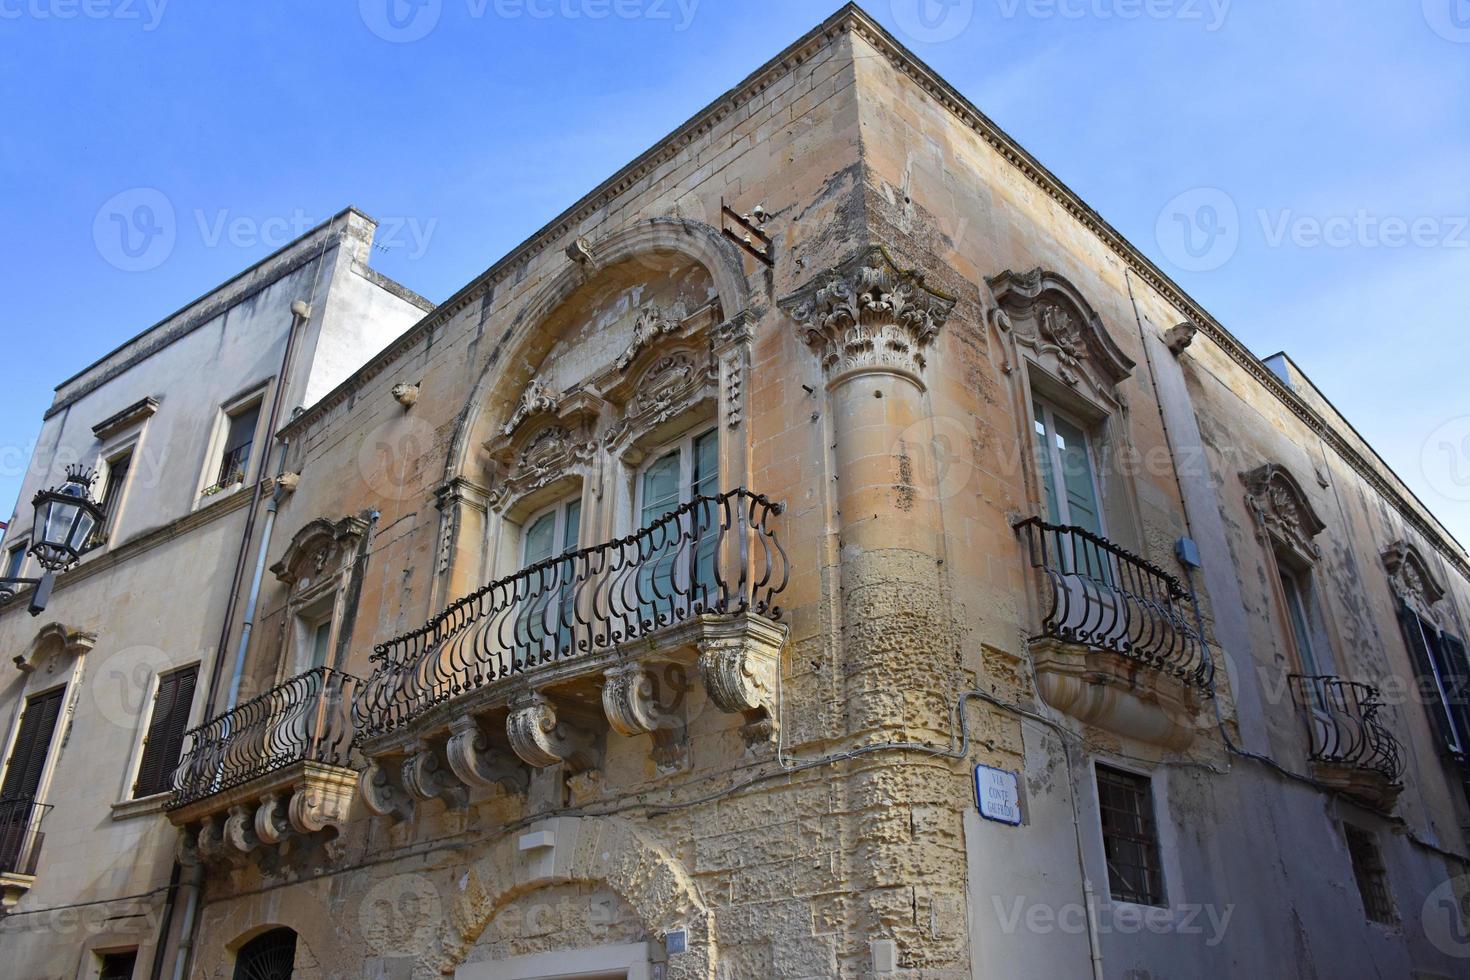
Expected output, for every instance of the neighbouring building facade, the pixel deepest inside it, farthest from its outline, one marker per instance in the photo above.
(828, 549)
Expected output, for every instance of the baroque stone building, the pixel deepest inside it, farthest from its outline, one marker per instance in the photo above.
(828, 549)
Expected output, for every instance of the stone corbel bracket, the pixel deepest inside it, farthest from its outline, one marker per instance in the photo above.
(383, 795)
(477, 763)
(630, 701)
(426, 778)
(740, 661)
(297, 802)
(542, 740)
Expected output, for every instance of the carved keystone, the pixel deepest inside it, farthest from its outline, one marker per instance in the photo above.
(474, 760)
(382, 796)
(539, 738)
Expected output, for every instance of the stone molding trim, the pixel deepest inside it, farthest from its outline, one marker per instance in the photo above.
(867, 315)
(603, 850)
(1411, 578)
(320, 546)
(1283, 509)
(381, 793)
(135, 414)
(630, 700)
(1043, 311)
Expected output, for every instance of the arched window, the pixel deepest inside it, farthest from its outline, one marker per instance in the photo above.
(269, 956)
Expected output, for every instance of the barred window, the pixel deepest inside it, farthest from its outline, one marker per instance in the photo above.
(1130, 836)
(1371, 875)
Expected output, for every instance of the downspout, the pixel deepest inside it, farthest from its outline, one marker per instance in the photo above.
(300, 315)
(250, 603)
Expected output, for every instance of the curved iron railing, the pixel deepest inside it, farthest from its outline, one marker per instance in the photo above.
(1100, 595)
(306, 718)
(20, 834)
(1344, 726)
(715, 554)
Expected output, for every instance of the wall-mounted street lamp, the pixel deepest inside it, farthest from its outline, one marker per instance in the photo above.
(66, 516)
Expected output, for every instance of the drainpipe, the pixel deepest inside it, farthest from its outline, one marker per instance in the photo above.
(300, 315)
(265, 540)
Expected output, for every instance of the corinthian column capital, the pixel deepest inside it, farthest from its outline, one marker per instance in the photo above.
(868, 315)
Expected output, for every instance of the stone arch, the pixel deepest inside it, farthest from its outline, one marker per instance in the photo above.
(302, 910)
(603, 850)
(695, 241)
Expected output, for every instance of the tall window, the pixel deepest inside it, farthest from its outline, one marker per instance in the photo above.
(680, 570)
(545, 621)
(166, 724)
(1130, 836)
(1370, 874)
(1444, 676)
(15, 560)
(1296, 591)
(23, 772)
(117, 481)
(234, 460)
(320, 640)
(1068, 474)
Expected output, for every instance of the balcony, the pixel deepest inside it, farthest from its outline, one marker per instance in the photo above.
(1116, 647)
(20, 846)
(277, 768)
(536, 669)
(1351, 749)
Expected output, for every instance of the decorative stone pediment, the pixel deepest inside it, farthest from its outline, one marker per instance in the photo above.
(320, 551)
(867, 314)
(1045, 313)
(54, 638)
(1284, 511)
(1411, 578)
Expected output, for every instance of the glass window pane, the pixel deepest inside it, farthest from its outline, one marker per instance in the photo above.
(706, 464)
(573, 531)
(660, 488)
(1043, 453)
(540, 539)
(319, 638)
(1077, 476)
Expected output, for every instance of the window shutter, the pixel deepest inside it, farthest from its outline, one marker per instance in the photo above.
(32, 743)
(1418, 638)
(165, 738)
(1455, 670)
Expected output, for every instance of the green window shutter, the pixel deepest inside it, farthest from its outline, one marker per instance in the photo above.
(32, 744)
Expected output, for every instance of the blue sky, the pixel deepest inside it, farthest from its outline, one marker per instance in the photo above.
(1301, 168)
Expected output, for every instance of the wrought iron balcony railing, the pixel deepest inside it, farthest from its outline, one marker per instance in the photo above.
(1343, 724)
(20, 834)
(715, 554)
(1099, 595)
(305, 719)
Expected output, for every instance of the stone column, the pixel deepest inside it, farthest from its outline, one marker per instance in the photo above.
(872, 324)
